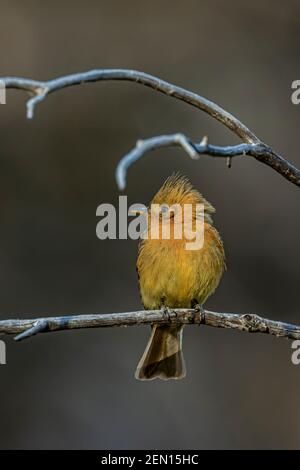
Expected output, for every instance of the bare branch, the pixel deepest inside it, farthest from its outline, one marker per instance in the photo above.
(42, 88)
(259, 150)
(250, 323)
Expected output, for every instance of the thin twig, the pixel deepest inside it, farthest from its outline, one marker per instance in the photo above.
(250, 323)
(38, 327)
(259, 150)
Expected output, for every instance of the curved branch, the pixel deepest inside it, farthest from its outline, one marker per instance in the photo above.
(250, 323)
(260, 151)
(42, 88)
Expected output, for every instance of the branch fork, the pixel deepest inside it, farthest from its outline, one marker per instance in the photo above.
(251, 146)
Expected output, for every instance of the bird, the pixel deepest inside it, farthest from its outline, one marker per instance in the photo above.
(171, 276)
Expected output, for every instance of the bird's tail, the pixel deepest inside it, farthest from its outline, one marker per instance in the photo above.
(163, 356)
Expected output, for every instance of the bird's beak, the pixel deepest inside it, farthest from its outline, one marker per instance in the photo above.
(138, 209)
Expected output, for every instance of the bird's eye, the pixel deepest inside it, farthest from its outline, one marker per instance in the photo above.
(164, 208)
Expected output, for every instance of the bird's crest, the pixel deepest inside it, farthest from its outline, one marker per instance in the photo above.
(177, 189)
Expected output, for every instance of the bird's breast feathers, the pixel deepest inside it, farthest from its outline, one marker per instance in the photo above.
(173, 276)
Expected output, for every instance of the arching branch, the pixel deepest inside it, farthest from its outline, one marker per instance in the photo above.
(256, 148)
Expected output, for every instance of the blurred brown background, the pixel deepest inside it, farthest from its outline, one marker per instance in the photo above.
(76, 389)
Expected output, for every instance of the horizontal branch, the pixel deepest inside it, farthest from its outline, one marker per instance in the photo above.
(250, 323)
(260, 151)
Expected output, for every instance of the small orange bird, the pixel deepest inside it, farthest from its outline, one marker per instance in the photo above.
(172, 276)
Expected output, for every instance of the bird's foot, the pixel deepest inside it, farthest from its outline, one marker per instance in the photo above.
(198, 310)
(167, 313)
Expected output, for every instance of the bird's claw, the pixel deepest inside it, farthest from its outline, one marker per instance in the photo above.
(167, 313)
(200, 310)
